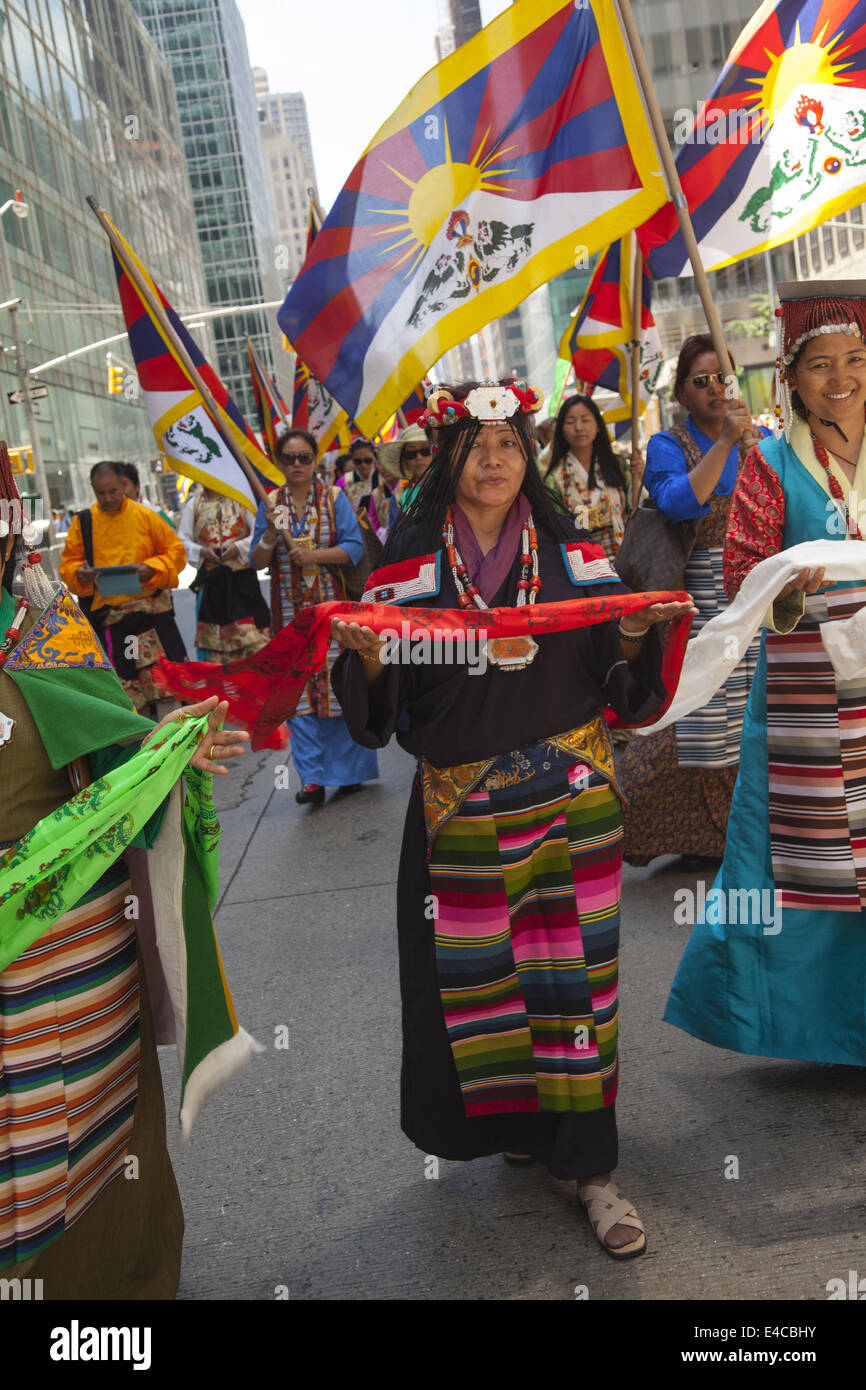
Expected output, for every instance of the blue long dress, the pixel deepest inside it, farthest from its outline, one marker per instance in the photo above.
(778, 973)
(323, 750)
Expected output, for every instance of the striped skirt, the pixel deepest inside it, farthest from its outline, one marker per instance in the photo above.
(69, 1053)
(710, 737)
(526, 885)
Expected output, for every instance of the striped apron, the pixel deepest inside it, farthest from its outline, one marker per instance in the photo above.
(816, 746)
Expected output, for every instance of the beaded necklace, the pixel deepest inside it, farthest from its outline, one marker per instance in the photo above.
(528, 583)
(508, 653)
(12, 631)
(308, 523)
(835, 489)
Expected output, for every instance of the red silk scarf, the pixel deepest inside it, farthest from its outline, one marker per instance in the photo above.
(263, 690)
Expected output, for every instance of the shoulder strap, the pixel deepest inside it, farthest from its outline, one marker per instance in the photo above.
(85, 521)
(690, 448)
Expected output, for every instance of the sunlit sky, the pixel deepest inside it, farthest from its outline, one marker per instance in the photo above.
(353, 62)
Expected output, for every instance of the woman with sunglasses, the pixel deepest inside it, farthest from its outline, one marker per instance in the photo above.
(679, 783)
(585, 474)
(411, 454)
(305, 533)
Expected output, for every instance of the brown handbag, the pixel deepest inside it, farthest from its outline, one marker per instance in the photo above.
(353, 578)
(655, 551)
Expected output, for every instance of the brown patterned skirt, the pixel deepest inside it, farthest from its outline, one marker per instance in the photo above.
(671, 809)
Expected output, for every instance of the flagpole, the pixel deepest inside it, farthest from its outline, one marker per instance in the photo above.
(636, 305)
(157, 310)
(672, 179)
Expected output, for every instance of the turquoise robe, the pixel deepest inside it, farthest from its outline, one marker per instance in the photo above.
(792, 984)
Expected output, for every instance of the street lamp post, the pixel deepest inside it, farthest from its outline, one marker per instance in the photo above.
(21, 209)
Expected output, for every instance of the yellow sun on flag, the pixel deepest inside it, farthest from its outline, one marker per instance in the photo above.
(796, 66)
(435, 196)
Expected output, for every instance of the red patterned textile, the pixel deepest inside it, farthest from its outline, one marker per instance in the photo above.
(756, 520)
(263, 690)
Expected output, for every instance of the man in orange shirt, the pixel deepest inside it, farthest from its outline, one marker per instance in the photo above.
(138, 628)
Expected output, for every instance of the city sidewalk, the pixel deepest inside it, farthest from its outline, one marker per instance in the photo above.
(298, 1181)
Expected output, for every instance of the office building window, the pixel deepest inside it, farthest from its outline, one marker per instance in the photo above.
(829, 248)
(856, 215)
(814, 252)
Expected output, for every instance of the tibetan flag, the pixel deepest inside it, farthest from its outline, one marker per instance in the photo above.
(416, 402)
(527, 145)
(314, 408)
(272, 410)
(185, 430)
(598, 340)
(780, 145)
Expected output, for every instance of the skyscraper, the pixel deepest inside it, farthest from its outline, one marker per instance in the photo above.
(288, 163)
(87, 106)
(205, 44)
(287, 112)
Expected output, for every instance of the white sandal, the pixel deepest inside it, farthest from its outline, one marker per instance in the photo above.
(606, 1207)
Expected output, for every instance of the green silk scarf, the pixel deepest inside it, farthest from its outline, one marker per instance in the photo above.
(63, 856)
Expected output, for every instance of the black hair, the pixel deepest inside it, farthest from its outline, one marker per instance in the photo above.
(111, 466)
(293, 433)
(130, 471)
(364, 444)
(425, 513)
(603, 457)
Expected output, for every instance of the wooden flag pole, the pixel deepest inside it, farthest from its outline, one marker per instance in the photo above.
(402, 417)
(157, 310)
(636, 306)
(672, 179)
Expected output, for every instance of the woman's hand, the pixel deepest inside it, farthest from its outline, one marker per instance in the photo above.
(229, 552)
(357, 638)
(363, 640)
(640, 623)
(809, 581)
(210, 555)
(300, 555)
(737, 423)
(226, 743)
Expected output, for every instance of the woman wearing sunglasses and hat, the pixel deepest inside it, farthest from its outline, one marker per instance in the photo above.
(679, 783)
(410, 455)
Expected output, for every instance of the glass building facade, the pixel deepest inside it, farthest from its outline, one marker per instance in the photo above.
(86, 106)
(205, 45)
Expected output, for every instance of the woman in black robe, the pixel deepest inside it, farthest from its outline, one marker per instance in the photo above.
(508, 890)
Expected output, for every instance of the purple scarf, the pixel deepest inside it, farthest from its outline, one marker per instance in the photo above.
(489, 572)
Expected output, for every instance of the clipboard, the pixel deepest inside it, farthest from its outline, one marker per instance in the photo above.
(114, 581)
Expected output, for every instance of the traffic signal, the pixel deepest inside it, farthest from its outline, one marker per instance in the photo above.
(115, 380)
(21, 459)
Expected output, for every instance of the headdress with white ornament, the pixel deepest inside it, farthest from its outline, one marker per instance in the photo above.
(807, 311)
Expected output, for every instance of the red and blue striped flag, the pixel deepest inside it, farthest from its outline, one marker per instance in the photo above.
(527, 145)
(780, 145)
(598, 339)
(272, 410)
(184, 427)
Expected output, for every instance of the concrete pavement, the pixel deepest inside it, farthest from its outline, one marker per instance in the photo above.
(298, 1181)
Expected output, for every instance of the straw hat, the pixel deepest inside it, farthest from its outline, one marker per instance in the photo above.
(389, 454)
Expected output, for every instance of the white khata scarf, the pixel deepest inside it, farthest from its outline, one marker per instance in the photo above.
(719, 646)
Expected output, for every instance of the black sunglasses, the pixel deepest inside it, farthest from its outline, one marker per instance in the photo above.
(423, 452)
(304, 457)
